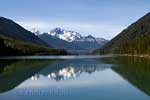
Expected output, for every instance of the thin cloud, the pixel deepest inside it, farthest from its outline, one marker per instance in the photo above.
(29, 24)
(98, 30)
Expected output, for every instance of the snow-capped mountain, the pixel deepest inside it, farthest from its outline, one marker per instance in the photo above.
(68, 36)
(71, 41)
(90, 38)
(35, 31)
(71, 36)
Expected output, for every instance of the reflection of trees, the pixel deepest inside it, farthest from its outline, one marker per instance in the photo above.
(13, 72)
(134, 70)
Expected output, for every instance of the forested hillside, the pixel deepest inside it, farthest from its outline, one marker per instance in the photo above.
(133, 40)
(9, 46)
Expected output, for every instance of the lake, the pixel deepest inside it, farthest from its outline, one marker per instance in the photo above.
(74, 78)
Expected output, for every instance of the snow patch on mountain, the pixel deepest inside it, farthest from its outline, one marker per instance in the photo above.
(35, 31)
(68, 36)
(71, 36)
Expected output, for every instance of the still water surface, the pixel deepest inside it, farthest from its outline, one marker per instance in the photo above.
(74, 78)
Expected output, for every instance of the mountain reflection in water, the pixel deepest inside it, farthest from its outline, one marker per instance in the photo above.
(105, 78)
(70, 69)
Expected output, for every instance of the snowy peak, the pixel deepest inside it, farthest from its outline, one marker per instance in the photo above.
(56, 31)
(68, 36)
(35, 31)
(90, 38)
(71, 36)
(72, 41)
(101, 41)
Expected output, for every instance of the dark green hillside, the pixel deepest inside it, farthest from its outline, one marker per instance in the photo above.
(11, 29)
(9, 46)
(133, 40)
(15, 40)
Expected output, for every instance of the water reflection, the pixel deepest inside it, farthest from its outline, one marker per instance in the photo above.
(14, 72)
(135, 70)
(70, 69)
(91, 79)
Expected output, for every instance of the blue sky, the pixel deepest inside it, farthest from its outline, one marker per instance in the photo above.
(100, 18)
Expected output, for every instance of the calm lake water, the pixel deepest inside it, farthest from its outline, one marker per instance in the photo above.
(74, 78)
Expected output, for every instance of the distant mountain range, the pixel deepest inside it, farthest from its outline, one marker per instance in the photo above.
(133, 40)
(70, 40)
(72, 36)
(15, 40)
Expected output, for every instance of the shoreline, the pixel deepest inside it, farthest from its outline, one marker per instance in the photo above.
(133, 55)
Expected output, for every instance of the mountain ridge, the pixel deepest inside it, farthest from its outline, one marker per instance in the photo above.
(134, 39)
(70, 36)
(11, 29)
(15, 40)
(72, 41)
